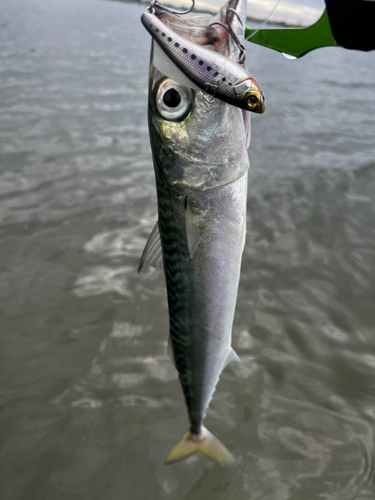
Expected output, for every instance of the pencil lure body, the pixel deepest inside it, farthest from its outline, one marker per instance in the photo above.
(210, 71)
(199, 149)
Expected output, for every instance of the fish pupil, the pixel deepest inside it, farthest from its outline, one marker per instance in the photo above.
(172, 98)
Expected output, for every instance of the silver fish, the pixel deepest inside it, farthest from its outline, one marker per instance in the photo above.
(211, 71)
(199, 149)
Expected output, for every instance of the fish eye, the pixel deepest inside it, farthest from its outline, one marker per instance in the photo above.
(173, 100)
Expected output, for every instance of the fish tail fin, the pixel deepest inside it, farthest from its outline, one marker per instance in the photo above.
(205, 443)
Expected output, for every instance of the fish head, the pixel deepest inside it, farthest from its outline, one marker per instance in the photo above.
(199, 141)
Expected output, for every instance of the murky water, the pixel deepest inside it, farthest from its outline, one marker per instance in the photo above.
(90, 402)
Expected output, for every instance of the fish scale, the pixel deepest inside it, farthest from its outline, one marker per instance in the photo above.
(173, 247)
(175, 251)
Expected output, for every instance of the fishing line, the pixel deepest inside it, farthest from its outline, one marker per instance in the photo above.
(265, 21)
(228, 27)
(154, 3)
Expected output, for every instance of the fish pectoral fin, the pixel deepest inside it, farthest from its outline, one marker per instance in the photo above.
(153, 252)
(170, 351)
(192, 228)
(232, 357)
(207, 444)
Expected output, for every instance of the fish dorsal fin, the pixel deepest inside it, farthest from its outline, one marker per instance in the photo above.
(232, 357)
(153, 253)
(165, 65)
(192, 227)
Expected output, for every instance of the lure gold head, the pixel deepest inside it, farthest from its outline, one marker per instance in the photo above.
(255, 101)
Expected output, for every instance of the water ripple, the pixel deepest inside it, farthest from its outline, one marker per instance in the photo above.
(103, 279)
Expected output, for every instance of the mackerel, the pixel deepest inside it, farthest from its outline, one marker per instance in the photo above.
(199, 149)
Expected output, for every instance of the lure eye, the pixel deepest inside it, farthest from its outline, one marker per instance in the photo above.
(252, 101)
(173, 100)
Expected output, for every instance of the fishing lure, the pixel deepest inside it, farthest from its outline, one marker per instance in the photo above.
(210, 71)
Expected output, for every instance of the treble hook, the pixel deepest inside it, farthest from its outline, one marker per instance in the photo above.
(210, 98)
(154, 4)
(228, 27)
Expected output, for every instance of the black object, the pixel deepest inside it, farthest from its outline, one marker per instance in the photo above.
(352, 23)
